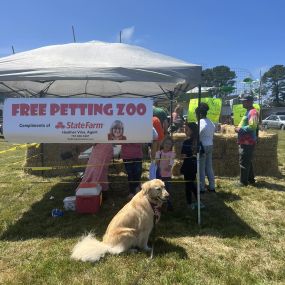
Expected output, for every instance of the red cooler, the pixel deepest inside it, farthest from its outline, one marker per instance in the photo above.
(88, 198)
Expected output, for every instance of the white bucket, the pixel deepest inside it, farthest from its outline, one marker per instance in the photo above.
(69, 203)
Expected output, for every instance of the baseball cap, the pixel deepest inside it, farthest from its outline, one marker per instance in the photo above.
(246, 97)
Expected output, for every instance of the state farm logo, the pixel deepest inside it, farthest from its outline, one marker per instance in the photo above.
(79, 125)
(59, 125)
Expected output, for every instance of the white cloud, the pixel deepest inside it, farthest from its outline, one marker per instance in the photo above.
(127, 35)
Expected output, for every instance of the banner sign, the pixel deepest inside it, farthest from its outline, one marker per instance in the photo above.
(239, 112)
(215, 107)
(78, 120)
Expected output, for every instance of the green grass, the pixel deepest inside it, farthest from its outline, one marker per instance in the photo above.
(241, 239)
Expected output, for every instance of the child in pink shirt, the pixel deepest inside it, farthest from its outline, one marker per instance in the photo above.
(165, 160)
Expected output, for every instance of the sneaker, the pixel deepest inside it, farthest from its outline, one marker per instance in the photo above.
(212, 190)
(194, 206)
(256, 184)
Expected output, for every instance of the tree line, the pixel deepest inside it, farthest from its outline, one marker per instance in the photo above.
(222, 81)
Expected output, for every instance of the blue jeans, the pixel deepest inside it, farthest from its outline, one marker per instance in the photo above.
(206, 168)
(134, 171)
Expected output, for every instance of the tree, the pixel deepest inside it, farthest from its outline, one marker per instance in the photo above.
(274, 81)
(221, 78)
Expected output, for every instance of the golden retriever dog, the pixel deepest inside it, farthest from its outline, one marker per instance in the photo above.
(129, 228)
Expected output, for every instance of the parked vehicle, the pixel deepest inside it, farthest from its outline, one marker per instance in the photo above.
(1, 119)
(1, 126)
(274, 122)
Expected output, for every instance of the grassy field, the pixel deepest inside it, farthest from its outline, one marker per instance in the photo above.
(241, 239)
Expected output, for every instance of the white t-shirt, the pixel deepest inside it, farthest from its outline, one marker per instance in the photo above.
(207, 130)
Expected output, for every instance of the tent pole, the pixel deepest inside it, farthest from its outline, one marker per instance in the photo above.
(171, 111)
(260, 97)
(42, 157)
(73, 33)
(198, 159)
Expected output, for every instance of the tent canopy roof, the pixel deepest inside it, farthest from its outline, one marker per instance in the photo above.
(95, 69)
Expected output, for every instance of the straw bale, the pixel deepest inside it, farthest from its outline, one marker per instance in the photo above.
(225, 156)
(64, 155)
(54, 155)
(145, 150)
(227, 129)
(117, 166)
(176, 167)
(225, 153)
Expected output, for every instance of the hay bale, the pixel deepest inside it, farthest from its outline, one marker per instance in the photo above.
(225, 156)
(225, 153)
(65, 156)
(178, 139)
(59, 156)
(146, 150)
(117, 166)
(176, 167)
(227, 129)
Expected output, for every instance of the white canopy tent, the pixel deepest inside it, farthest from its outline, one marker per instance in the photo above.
(95, 69)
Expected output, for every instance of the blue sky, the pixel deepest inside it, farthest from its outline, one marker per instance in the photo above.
(246, 35)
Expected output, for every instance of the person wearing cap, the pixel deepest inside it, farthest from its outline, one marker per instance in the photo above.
(162, 116)
(247, 131)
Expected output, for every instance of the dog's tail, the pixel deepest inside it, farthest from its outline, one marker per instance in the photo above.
(90, 249)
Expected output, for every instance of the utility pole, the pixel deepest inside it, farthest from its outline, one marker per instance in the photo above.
(74, 40)
(260, 97)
